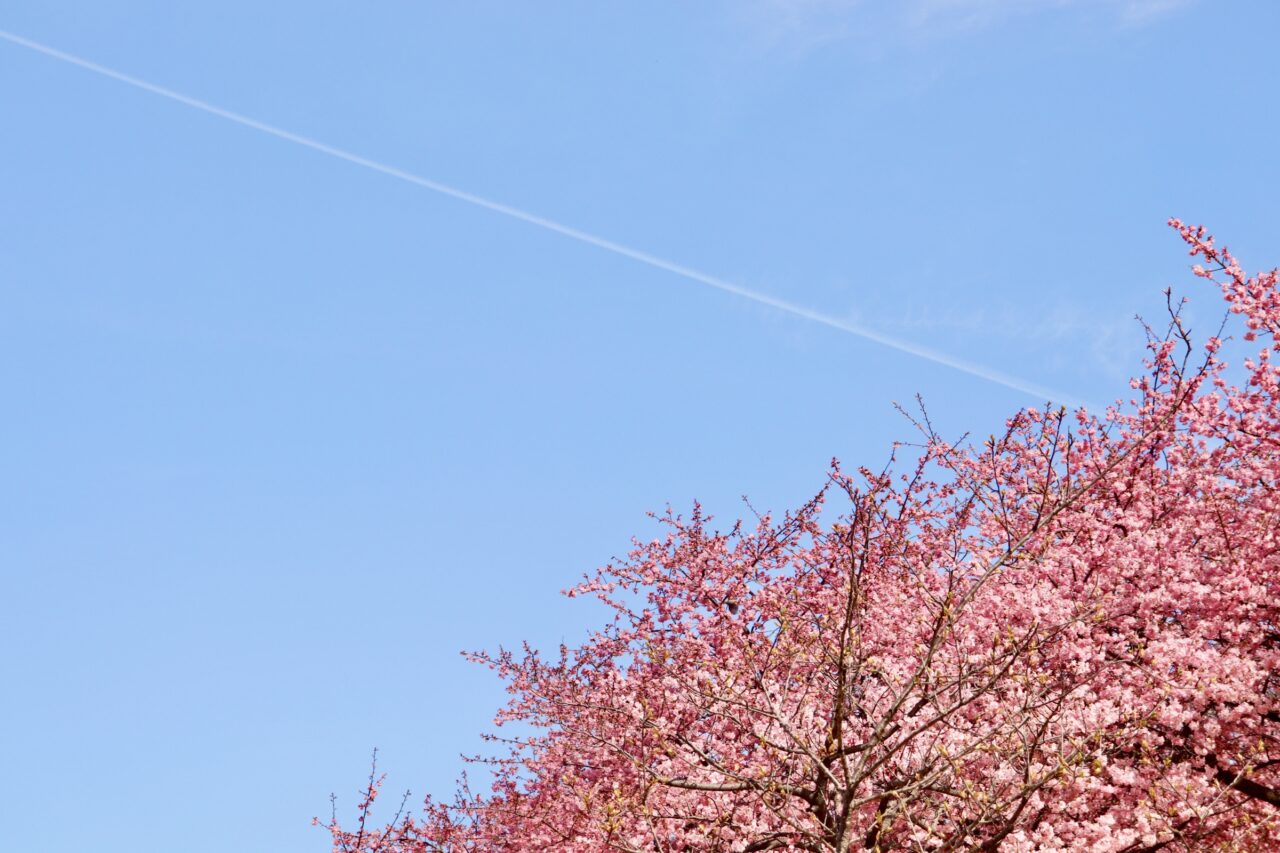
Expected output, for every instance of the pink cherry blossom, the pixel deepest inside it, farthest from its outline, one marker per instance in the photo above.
(1066, 637)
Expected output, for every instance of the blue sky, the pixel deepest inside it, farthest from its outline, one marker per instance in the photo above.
(283, 434)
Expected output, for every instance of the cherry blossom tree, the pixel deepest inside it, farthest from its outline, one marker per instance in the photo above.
(1065, 637)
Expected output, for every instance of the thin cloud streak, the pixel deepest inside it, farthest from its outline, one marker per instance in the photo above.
(1026, 387)
(807, 24)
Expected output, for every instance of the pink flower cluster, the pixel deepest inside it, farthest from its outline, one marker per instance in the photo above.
(1066, 638)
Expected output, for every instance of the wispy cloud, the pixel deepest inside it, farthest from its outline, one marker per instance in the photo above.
(1066, 336)
(1143, 11)
(801, 25)
(976, 13)
(810, 23)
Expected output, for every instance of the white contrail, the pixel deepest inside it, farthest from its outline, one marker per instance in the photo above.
(1041, 393)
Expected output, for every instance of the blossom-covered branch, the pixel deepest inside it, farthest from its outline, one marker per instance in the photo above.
(1063, 638)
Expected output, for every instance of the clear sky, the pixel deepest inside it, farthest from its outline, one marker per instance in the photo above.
(281, 433)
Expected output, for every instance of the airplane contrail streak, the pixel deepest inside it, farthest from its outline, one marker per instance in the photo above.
(1026, 387)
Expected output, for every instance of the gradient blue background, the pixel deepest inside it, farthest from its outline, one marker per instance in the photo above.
(281, 435)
